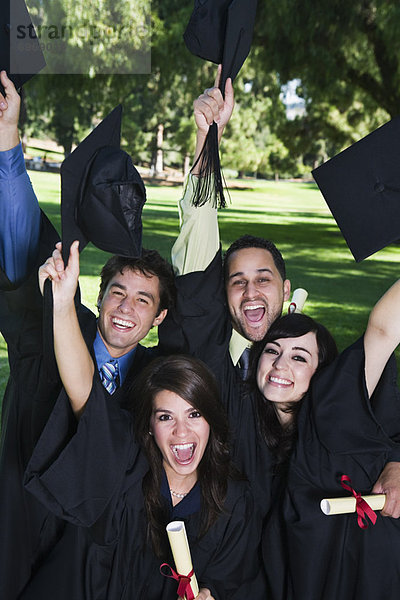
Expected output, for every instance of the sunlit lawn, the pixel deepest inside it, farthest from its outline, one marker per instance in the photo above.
(293, 215)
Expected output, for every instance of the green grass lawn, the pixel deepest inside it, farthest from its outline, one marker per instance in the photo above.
(293, 215)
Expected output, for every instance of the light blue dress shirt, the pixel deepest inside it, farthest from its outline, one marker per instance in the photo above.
(20, 216)
(103, 356)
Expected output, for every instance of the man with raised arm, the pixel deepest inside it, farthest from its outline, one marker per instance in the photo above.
(134, 296)
(254, 270)
(249, 285)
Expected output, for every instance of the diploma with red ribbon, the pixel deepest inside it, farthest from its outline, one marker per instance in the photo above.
(184, 574)
(363, 505)
(298, 300)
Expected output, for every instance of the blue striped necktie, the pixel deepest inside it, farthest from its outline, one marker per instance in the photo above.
(109, 375)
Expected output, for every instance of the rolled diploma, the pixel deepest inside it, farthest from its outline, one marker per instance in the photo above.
(298, 300)
(340, 506)
(181, 552)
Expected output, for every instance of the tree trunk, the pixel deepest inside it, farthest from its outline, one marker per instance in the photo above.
(159, 167)
(66, 142)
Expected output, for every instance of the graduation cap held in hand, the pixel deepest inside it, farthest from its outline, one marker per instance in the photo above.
(220, 31)
(361, 186)
(20, 52)
(102, 194)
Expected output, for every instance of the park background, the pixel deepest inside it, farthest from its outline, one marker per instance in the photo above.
(319, 77)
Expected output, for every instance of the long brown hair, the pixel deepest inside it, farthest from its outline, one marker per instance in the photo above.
(190, 379)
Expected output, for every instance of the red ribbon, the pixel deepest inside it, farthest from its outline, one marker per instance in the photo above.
(184, 586)
(362, 507)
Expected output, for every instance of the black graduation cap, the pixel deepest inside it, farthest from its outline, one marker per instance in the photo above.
(20, 52)
(361, 186)
(102, 194)
(220, 31)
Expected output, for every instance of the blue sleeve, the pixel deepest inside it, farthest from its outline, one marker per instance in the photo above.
(20, 216)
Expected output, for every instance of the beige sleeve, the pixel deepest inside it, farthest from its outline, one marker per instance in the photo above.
(198, 240)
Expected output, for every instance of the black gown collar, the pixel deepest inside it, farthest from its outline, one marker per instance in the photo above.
(189, 505)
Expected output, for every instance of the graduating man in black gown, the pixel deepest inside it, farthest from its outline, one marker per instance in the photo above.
(130, 303)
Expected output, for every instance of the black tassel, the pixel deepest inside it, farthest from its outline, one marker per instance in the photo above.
(210, 166)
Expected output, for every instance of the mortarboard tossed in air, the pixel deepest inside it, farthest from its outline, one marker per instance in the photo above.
(361, 186)
(102, 193)
(20, 52)
(220, 31)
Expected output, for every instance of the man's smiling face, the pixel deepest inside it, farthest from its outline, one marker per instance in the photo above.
(255, 292)
(128, 310)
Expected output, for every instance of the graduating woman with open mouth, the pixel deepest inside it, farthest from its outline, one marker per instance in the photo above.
(119, 476)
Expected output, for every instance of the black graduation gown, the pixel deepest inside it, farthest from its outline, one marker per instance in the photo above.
(340, 431)
(94, 482)
(28, 530)
(200, 325)
(31, 386)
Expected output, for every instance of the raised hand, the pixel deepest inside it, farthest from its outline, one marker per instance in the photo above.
(74, 362)
(9, 114)
(211, 106)
(208, 107)
(64, 279)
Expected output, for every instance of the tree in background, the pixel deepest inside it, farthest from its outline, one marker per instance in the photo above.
(345, 55)
(100, 39)
(252, 142)
(342, 51)
(66, 106)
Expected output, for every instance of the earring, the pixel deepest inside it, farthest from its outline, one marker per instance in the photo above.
(150, 433)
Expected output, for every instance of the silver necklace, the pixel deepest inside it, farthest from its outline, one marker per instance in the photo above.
(178, 495)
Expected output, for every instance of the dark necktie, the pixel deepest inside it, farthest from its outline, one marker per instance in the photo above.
(244, 363)
(109, 375)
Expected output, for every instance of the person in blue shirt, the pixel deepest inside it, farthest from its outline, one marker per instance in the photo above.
(134, 296)
(20, 222)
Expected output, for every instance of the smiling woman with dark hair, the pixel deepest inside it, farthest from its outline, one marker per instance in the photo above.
(324, 416)
(317, 349)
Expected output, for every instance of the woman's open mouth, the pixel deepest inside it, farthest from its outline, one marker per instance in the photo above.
(183, 453)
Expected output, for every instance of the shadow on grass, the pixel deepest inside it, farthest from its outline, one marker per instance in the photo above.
(161, 183)
(341, 292)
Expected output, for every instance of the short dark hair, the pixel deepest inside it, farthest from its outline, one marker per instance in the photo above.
(251, 241)
(280, 439)
(149, 263)
(190, 379)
